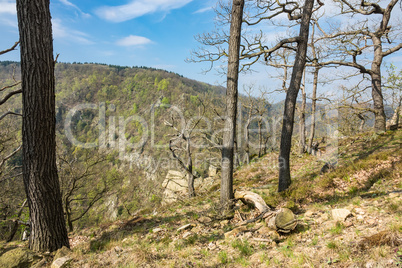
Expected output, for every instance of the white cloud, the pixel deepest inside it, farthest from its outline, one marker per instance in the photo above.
(69, 4)
(138, 8)
(8, 7)
(133, 40)
(62, 32)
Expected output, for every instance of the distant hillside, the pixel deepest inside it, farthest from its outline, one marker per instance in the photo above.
(121, 92)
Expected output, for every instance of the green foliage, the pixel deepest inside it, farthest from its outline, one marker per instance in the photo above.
(165, 100)
(163, 85)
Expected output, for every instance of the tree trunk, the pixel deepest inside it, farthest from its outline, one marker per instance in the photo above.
(291, 97)
(190, 175)
(259, 137)
(48, 228)
(302, 123)
(231, 104)
(247, 140)
(313, 109)
(67, 211)
(378, 99)
(190, 183)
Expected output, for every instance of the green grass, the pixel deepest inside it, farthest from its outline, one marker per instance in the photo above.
(337, 229)
(223, 257)
(243, 246)
(332, 245)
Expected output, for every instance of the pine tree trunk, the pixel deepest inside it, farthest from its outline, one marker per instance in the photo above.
(231, 104)
(291, 97)
(48, 228)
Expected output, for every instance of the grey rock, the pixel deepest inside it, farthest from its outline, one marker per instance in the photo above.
(61, 262)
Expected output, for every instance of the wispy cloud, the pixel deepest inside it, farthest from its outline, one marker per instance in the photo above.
(202, 10)
(133, 40)
(69, 4)
(138, 8)
(62, 32)
(8, 7)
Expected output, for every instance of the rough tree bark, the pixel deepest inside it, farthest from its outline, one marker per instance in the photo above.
(291, 97)
(48, 228)
(231, 104)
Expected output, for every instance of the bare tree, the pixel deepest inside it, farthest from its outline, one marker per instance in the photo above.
(314, 99)
(291, 97)
(84, 181)
(182, 142)
(48, 228)
(356, 42)
(393, 86)
(302, 120)
(231, 104)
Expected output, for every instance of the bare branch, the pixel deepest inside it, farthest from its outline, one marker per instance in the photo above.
(10, 86)
(9, 156)
(9, 95)
(375, 8)
(9, 113)
(392, 50)
(19, 174)
(349, 64)
(10, 49)
(268, 52)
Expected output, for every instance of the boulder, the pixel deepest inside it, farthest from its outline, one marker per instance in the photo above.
(62, 252)
(340, 214)
(175, 185)
(212, 171)
(62, 262)
(112, 207)
(18, 258)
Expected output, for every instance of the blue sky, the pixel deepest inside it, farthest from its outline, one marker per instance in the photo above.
(158, 33)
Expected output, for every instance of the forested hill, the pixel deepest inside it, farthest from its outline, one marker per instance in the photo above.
(124, 91)
(101, 82)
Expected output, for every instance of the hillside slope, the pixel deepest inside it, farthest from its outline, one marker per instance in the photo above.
(367, 182)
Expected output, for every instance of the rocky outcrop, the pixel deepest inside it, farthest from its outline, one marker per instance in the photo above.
(175, 185)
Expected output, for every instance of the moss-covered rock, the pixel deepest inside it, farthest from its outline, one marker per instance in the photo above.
(18, 258)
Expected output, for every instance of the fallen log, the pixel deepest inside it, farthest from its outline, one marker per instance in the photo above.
(282, 220)
(254, 199)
